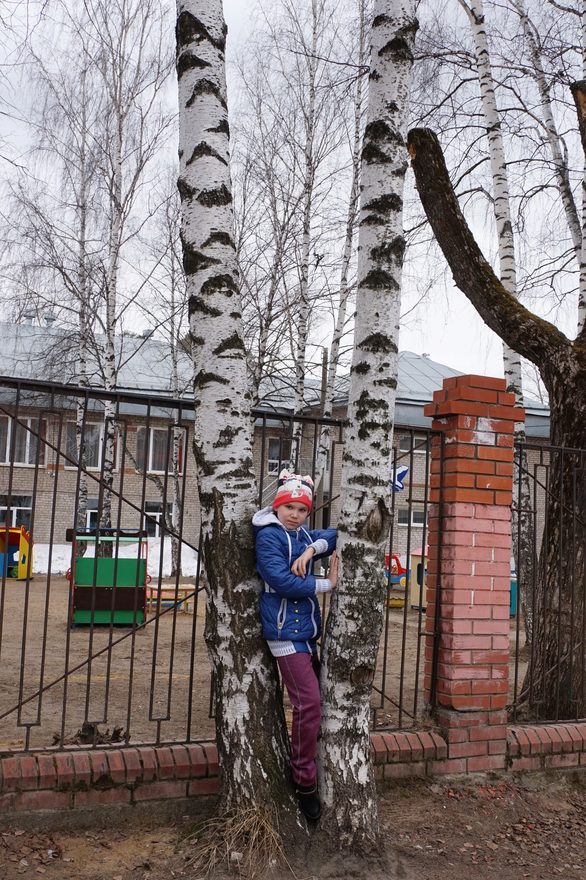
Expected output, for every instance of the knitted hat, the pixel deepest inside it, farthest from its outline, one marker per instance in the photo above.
(293, 487)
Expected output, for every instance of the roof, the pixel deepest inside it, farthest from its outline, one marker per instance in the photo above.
(32, 352)
(144, 363)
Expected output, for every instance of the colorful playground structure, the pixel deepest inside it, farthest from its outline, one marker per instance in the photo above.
(396, 578)
(108, 586)
(16, 553)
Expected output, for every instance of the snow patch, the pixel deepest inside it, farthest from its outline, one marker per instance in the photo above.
(60, 557)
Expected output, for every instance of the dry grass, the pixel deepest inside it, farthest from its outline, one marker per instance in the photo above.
(247, 843)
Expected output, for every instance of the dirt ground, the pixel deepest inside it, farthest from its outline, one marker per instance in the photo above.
(533, 827)
(138, 682)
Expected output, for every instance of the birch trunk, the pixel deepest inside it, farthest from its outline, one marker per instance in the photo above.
(560, 167)
(355, 621)
(110, 371)
(84, 321)
(251, 734)
(344, 294)
(177, 448)
(522, 530)
(301, 325)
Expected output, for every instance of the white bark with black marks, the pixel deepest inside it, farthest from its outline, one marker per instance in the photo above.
(250, 727)
(522, 532)
(355, 622)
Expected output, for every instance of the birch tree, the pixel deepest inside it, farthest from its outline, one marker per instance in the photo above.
(267, 204)
(290, 155)
(127, 49)
(557, 148)
(250, 728)
(522, 525)
(53, 256)
(103, 125)
(344, 294)
(355, 622)
(165, 309)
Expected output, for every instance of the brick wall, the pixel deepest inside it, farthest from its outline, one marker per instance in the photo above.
(80, 780)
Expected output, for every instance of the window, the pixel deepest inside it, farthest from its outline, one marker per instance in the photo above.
(411, 517)
(21, 509)
(278, 452)
(160, 450)
(25, 434)
(154, 512)
(419, 443)
(91, 514)
(93, 442)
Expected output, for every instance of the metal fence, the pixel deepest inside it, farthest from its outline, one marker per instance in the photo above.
(548, 602)
(101, 584)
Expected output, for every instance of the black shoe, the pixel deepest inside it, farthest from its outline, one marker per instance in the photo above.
(309, 802)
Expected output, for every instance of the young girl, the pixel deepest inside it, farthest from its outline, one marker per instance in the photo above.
(291, 619)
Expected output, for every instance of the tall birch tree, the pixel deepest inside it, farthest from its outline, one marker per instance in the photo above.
(355, 621)
(348, 245)
(126, 47)
(558, 152)
(522, 526)
(250, 728)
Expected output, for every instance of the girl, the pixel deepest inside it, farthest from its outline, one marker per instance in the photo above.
(291, 619)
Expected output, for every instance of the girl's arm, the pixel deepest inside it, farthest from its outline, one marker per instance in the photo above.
(323, 543)
(272, 562)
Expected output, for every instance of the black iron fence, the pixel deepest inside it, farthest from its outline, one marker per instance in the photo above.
(548, 587)
(101, 582)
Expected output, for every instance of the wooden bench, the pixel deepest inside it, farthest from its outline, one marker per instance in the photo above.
(168, 596)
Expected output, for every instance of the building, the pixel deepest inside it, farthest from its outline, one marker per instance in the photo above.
(153, 479)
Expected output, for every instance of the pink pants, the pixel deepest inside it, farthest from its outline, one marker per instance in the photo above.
(300, 673)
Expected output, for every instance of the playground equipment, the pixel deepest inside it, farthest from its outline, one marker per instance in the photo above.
(108, 589)
(418, 580)
(16, 553)
(396, 579)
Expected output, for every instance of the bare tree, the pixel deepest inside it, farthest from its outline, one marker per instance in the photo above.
(340, 327)
(290, 153)
(355, 622)
(523, 523)
(100, 125)
(250, 726)
(556, 667)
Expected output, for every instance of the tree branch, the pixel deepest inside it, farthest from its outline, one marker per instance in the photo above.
(532, 336)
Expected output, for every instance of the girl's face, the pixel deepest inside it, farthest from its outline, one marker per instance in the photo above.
(292, 514)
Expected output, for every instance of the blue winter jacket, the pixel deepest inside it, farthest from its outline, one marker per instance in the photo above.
(289, 607)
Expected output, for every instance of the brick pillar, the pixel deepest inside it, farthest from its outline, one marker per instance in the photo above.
(471, 547)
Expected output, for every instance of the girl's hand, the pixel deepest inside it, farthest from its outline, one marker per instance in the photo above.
(299, 567)
(333, 570)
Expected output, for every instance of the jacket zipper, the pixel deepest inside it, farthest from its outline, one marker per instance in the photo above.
(281, 616)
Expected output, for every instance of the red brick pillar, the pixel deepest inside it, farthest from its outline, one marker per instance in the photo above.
(469, 562)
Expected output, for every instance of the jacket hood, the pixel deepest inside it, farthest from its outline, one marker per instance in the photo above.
(265, 517)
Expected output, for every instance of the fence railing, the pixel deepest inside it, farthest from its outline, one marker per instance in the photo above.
(548, 604)
(101, 582)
